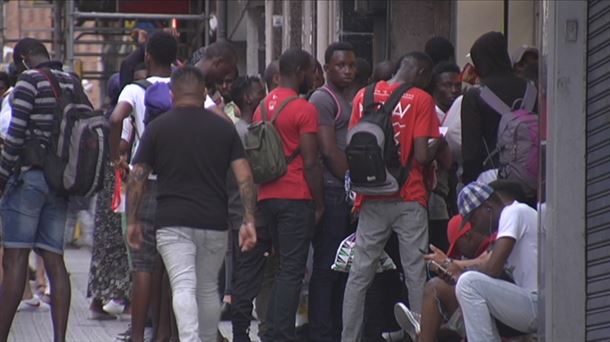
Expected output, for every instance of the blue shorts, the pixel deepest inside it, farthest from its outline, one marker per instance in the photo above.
(33, 216)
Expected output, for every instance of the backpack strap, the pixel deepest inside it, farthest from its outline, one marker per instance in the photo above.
(394, 98)
(327, 90)
(369, 97)
(281, 107)
(144, 84)
(494, 101)
(529, 98)
(48, 74)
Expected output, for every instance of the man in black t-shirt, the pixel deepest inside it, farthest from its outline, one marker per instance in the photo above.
(191, 149)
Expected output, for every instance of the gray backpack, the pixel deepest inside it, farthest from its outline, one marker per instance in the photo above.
(264, 148)
(518, 142)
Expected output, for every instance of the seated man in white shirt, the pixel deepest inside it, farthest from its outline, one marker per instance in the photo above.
(482, 296)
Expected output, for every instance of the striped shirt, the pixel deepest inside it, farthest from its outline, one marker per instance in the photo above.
(33, 109)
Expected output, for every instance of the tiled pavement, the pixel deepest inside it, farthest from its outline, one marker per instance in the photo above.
(35, 326)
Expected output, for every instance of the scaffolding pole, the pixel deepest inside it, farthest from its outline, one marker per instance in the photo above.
(69, 38)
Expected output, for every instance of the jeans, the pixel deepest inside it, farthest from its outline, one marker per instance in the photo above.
(193, 258)
(33, 215)
(291, 223)
(326, 286)
(377, 221)
(483, 298)
(247, 281)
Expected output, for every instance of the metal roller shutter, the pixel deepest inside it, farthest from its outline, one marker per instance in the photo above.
(598, 172)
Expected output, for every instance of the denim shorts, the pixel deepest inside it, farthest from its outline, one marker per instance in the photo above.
(33, 215)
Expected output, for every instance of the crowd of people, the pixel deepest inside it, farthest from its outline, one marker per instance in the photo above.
(228, 196)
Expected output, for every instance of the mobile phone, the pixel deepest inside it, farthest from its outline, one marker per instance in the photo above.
(441, 270)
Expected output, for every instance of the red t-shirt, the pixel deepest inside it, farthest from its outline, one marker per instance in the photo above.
(297, 118)
(414, 117)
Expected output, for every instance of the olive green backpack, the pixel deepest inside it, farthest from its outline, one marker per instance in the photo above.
(264, 147)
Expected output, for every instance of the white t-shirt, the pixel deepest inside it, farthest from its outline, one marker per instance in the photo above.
(5, 114)
(134, 95)
(520, 222)
(453, 122)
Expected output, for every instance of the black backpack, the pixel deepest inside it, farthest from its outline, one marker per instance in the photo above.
(73, 163)
(372, 152)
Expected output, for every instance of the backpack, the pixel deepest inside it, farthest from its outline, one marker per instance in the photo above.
(372, 152)
(518, 139)
(73, 163)
(264, 148)
(157, 99)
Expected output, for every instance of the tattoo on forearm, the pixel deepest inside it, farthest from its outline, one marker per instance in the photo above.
(247, 191)
(136, 186)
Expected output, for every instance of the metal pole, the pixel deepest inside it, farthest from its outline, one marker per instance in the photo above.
(2, 31)
(206, 27)
(57, 31)
(69, 38)
(104, 15)
(221, 10)
(268, 31)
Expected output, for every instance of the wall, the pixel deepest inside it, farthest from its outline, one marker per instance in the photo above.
(414, 22)
(473, 18)
(521, 23)
(562, 230)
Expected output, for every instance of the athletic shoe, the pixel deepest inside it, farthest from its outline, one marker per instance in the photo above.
(407, 320)
(29, 304)
(394, 336)
(113, 307)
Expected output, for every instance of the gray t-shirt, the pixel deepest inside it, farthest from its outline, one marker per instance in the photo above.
(334, 110)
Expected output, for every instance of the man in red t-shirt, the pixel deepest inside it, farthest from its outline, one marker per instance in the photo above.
(293, 203)
(415, 122)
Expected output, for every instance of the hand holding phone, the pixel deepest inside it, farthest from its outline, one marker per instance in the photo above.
(442, 272)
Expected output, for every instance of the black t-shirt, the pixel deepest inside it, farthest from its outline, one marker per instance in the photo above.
(190, 149)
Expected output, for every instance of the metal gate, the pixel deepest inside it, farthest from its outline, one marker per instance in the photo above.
(598, 172)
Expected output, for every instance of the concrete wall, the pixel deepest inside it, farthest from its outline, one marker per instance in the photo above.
(562, 230)
(476, 17)
(414, 22)
(473, 18)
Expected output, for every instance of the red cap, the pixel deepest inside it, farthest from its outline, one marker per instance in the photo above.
(454, 232)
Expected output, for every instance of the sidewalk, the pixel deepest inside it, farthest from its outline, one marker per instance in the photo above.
(35, 326)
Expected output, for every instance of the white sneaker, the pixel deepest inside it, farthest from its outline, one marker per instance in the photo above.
(407, 320)
(114, 308)
(394, 336)
(32, 304)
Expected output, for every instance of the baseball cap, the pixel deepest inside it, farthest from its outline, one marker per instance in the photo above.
(472, 196)
(517, 55)
(455, 230)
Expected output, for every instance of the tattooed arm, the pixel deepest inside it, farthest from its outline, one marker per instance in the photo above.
(247, 191)
(136, 187)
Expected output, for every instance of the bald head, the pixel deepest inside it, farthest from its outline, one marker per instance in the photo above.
(383, 71)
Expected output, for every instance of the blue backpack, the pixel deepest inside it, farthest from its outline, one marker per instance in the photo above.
(157, 99)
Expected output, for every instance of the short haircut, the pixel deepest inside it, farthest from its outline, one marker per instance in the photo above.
(162, 47)
(363, 71)
(29, 46)
(336, 46)
(272, 69)
(185, 79)
(293, 59)
(421, 58)
(220, 49)
(440, 49)
(383, 71)
(140, 66)
(442, 68)
(509, 188)
(240, 86)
